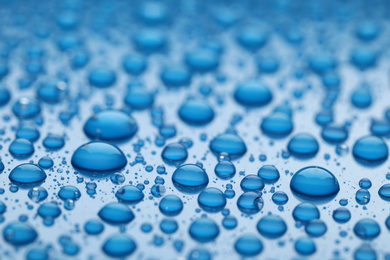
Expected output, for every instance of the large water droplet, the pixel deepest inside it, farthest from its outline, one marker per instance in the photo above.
(370, 150)
(314, 182)
(116, 214)
(190, 178)
(98, 157)
(27, 174)
(110, 125)
(230, 144)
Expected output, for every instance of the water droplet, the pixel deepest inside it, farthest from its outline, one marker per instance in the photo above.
(196, 112)
(19, 234)
(119, 246)
(212, 200)
(116, 214)
(303, 145)
(204, 230)
(272, 226)
(367, 229)
(225, 170)
(248, 246)
(314, 183)
(230, 144)
(252, 93)
(98, 157)
(174, 154)
(129, 194)
(190, 178)
(269, 174)
(370, 150)
(171, 205)
(110, 125)
(250, 203)
(277, 125)
(21, 148)
(27, 174)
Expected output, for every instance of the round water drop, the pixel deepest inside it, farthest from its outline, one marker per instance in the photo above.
(380, 128)
(269, 174)
(175, 77)
(248, 246)
(250, 203)
(93, 227)
(19, 234)
(116, 214)
(190, 178)
(171, 205)
(365, 252)
(5, 96)
(153, 13)
(98, 157)
(367, 229)
(225, 170)
(45, 162)
(341, 215)
(252, 38)
(53, 142)
(52, 91)
(212, 200)
(37, 194)
(149, 41)
(129, 194)
(314, 182)
(230, 144)
(280, 198)
(134, 64)
(364, 57)
(21, 148)
(197, 112)
(363, 196)
(252, 93)
(361, 97)
(305, 212)
(305, 246)
(102, 77)
(370, 150)
(324, 117)
(229, 222)
(199, 254)
(316, 228)
(252, 182)
(139, 98)
(334, 134)
(367, 31)
(69, 193)
(267, 64)
(204, 230)
(272, 226)
(174, 154)
(27, 131)
(119, 246)
(110, 125)
(303, 145)
(26, 108)
(277, 125)
(322, 62)
(202, 60)
(27, 174)
(79, 59)
(49, 211)
(384, 192)
(169, 226)
(37, 254)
